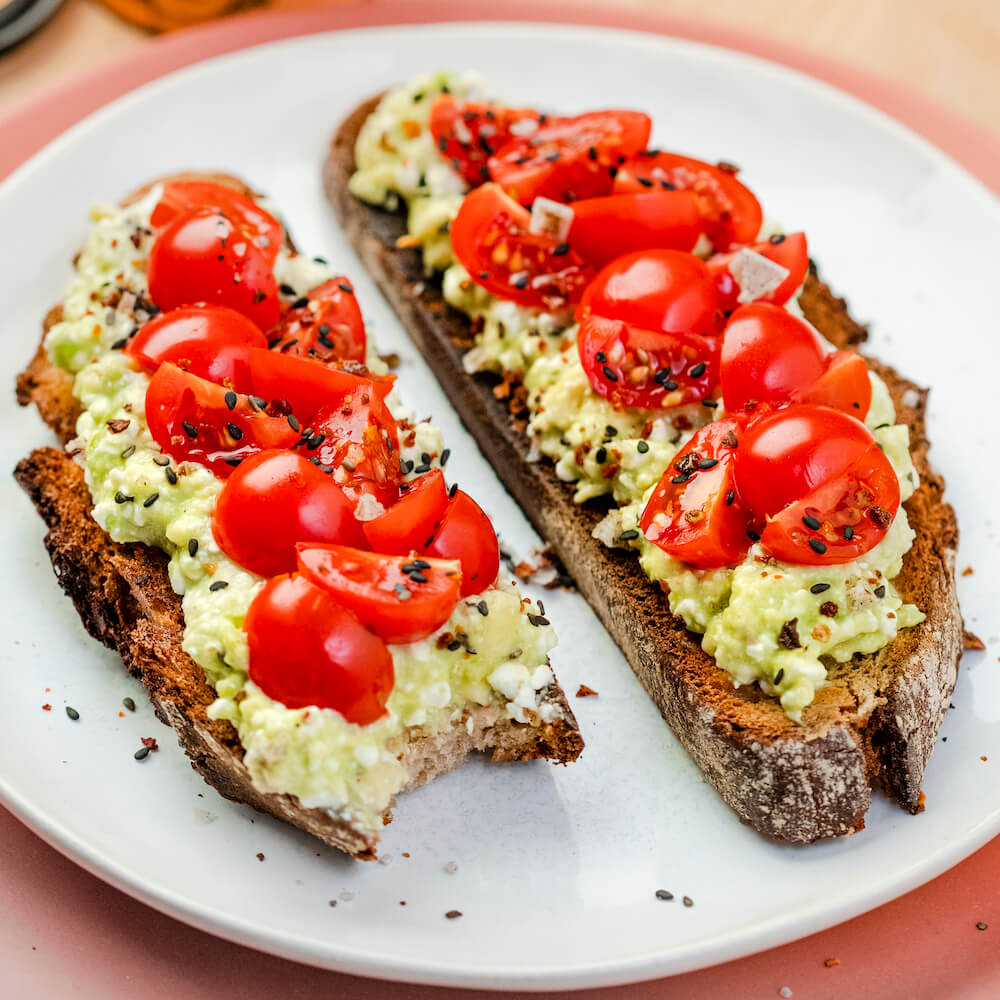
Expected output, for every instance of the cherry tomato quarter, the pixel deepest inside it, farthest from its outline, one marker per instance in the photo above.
(401, 599)
(307, 650)
(467, 534)
(409, 524)
(329, 327)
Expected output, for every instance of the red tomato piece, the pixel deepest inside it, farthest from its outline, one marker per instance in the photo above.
(826, 488)
(619, 224)
(209, 341)
(467, 534)
(568, 159)
(664, 290)
(180, 197)
(194, 420)
(309, 386)
(357, 436)
(695, 513)
(631, 366)
(329, 327)
(771, 356)
(493, 243)
(307, 650)
(272, 501)
(467, 133)
(791, 252)
(409, 524)
(202, 257)
(399, 598)
(730, 211)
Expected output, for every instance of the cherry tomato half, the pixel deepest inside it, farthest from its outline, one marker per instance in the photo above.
(409, 524)
(610, 227)
(791, 252)
(826, 488)
(272, 501)
(209, 341)
(492, 241)
(399, 598)
(695, 514)
(467, 133)
(567, 159)
(467, 534)
(202, 257)
(631, 366)
(180, 197)
(329, 327)
(771, 356)
(306, 649)
(730, 212)
(195, 420)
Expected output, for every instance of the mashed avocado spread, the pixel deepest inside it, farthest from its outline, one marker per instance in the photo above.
(140, 496)
(742, 611)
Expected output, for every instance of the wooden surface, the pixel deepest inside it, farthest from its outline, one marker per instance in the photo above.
(948, 51)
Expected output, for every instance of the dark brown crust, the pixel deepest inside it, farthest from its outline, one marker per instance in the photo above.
(879, 716)
(124, 599)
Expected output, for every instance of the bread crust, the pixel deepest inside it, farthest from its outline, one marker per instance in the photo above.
(877, 718)
(123, 595)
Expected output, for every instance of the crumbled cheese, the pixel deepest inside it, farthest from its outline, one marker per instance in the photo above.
(551, 218)
(756, 275)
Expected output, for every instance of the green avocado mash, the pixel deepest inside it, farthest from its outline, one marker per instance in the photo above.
(312, 753)
(747, 613)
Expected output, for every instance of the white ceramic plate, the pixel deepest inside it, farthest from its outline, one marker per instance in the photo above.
(557, 867)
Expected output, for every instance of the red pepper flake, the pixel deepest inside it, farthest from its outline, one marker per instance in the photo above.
(402, 902)
(972, 641)
(981, 925)
(524, 571)
(984, 757)
(260, 856)
(452, 914)
(46, 707)
(968, 571)
(406, 854)
(585, 692)
(831, 962)
(150, 741)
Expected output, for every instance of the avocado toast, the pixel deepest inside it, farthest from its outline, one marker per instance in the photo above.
(877, 716)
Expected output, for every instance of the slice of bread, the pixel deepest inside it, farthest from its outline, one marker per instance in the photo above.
(879, 715)
(123, 595)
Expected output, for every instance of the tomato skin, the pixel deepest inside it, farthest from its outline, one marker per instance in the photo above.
(306, 385)
(661, 377)
(409, 524)
(610, 227)
(201, 256)
(731, 212)
(272, 501)
(223, 436)
(492, 241)
(555, 160)
(182, 196)
(398, 606)
(791, 252)
(209, 341)
(688, 515)
(329, 328)
(467, 534)
(813, 461)
(307, 650)
(664, 290)
(483, 127)
(771, 356)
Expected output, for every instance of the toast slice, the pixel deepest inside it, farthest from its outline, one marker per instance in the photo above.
(879, 715)
(123, 595)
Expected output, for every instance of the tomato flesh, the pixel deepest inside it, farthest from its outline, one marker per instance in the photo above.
(409, 524)
(200, 256)
(467, 133)
(307, 650)
(209, 341)
(568, 159)
(329, 327)
(493, 243)
(790, 252)
(194, 420)
(467, 534)
(180, 197)
(274, 500)
(695, 513)
(400, 599)
(730, 212)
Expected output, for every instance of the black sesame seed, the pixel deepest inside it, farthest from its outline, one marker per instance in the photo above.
(234, 432)
(601, 456)
(663, 375)
(629, 536)
(417, 577)
(710, 403)
(664, 894)
(645, 182)
(483, 608)
(425, 458)
(151, 499)
(273, 343)
(192, 547)
(848, 532)
(708, 463)
(445, 455)
(234, 462)
(129, 703)
(218, 585)
(293, 422)
(129, 451)
(779, 676)
(776, 238)
(484, 275)
(519, 280)
(560, 250)
(592, 152)
(256, 402)
(171, 475)
(817, 546)
(730, 497)
(453, 490)
(600, 357)
(231, 400)
(610, 374)
(422, 468)
(538, 620)
(819, 588)
(301, 302)
(810, 522)
(752, 535)
(119, 344)
(287, 290)
(681, 477)
(453, 646)
(688, 901)
(345, 287)
(642, 447)
(613, 171)
(698, 370)
(880, 591)
(141, 754)
(72, 713)
(123, 497)
(315, 441)
(189, 429)
(161, 460)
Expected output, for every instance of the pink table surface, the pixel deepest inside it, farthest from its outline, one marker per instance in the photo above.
(65, 933)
